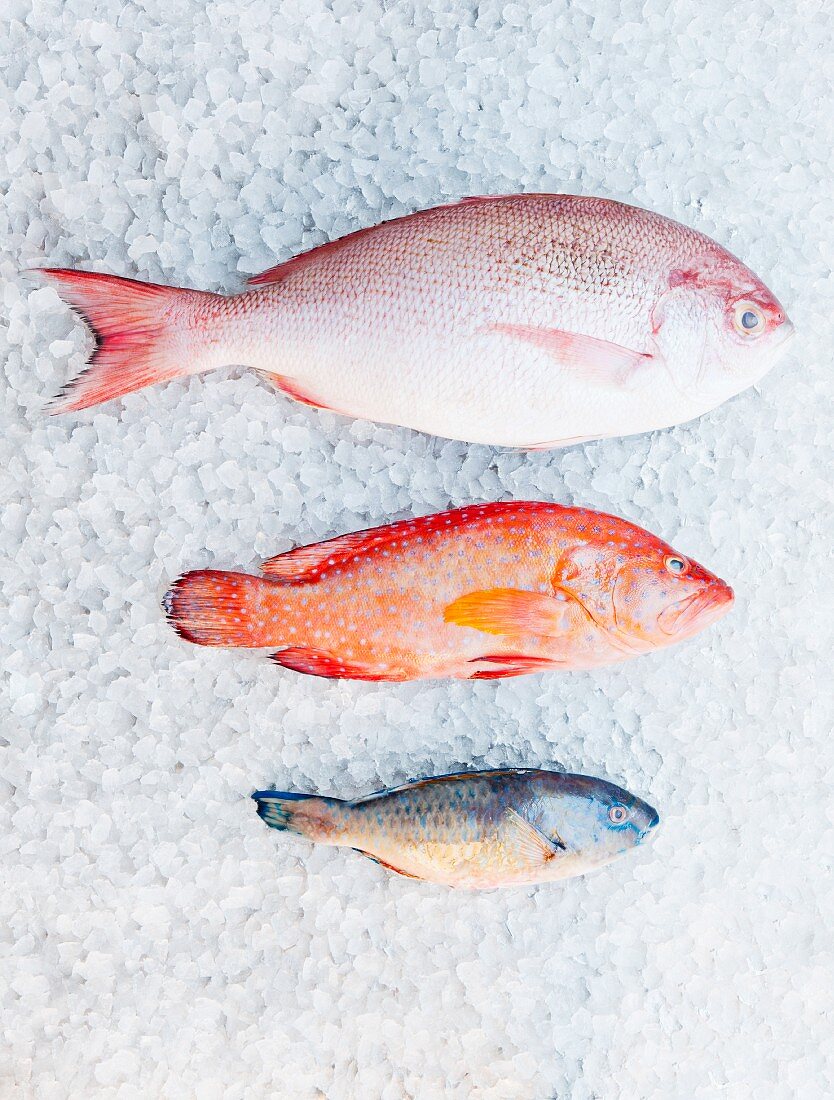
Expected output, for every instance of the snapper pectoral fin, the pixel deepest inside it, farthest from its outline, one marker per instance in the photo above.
(529, 840)
(515, 611)
(600, 360)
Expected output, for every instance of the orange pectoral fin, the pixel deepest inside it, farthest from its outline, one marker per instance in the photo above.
(514, 611)
(599, 359)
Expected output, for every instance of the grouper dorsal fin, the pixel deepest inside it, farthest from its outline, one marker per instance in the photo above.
(306, 563)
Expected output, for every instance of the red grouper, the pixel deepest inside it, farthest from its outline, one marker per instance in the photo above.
(519, 320)
(476, 829)
(475, 593)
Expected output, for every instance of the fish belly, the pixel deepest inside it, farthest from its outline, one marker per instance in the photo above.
(471, 386)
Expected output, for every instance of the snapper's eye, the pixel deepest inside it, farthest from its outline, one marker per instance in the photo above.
(748, 319)
(677, 565)
(617, 814)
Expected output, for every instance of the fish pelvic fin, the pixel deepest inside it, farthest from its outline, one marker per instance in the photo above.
(217, 608)
(144, 334)
(307, 815)
(508, 664)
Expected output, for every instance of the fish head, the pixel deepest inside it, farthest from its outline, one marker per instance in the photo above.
(597, 821)
(660, 596)
(719, 328)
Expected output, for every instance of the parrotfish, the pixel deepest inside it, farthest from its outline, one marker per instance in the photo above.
(528, 321)
(475, 593)
(476, 829)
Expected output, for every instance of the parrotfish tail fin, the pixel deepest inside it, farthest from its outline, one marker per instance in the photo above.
(305, 814)
(144, 334)
(212, 607)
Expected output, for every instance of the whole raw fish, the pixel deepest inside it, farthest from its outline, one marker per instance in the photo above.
(476, 829)
(524, 320)
(478, 592)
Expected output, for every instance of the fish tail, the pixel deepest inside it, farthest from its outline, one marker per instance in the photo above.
(144, 334)
(218, 608)
(307, 815)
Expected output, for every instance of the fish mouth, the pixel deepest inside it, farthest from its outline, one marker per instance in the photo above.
(696, 611)
(648, 821)
(787, 332)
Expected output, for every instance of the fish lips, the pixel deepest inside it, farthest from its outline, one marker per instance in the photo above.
(787, 331)
(780, 341)
(696, 611)
(646, 820)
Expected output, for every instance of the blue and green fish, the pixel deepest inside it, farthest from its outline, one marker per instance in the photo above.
(476, 830)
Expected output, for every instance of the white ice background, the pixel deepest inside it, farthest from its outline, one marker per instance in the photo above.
(156, 940)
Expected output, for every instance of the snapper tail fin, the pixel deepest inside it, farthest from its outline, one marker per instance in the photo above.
(144, 334)
(217, 608)
(304, 814)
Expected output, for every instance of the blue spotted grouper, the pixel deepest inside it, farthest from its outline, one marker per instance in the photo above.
(476, 830)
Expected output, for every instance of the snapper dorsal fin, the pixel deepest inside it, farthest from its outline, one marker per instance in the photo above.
(324, 251)
(320, 252)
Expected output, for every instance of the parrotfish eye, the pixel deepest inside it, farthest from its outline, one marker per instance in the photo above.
(677, 565)
(748, 319)
(617, 814)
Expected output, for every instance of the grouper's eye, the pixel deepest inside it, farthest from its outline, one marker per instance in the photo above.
(748, 319)
(677, 564)
(617, 815)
